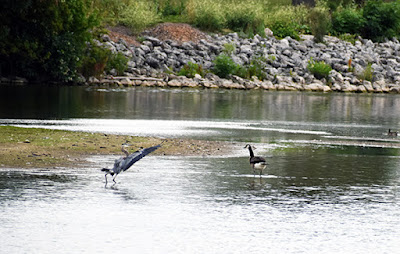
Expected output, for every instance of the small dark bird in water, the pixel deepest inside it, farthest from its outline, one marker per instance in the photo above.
(392, 133)
(124, 163)
(256, 162)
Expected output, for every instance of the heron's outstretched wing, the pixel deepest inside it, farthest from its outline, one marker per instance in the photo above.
(134, 157)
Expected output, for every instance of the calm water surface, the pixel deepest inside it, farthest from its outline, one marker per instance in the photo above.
(332, 185)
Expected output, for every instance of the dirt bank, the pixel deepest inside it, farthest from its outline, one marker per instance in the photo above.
(33, 148)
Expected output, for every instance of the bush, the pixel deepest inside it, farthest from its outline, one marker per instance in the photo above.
(205, 15)
(287, 21)
(255, 68)
(138, 15)
(98, 59)
(117, 62)
(209, 20)
(349, 38)
(191, 69)
(284, 29)
(347, 20)
(109, 10)
(229, 48)
(224, 66)
(333, 5)
(244, 19)
(319, 23)
(382, 20)
(367, 74)
(94, 62)
(240, 19)
(171, 7)
(319, 68)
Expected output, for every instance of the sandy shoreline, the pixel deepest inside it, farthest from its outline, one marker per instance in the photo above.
(41, 148)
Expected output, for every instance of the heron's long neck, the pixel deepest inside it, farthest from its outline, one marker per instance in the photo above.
(251, 152)
(124, 151)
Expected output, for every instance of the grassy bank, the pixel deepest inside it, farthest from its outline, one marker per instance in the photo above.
(31, 147)
(372, 19)
(241, 16)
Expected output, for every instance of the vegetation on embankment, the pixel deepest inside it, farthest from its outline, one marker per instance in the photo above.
(44, 148)
(372, 19)
(53, 40)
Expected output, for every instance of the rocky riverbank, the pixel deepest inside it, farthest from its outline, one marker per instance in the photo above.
(166, 48)
(286, 68)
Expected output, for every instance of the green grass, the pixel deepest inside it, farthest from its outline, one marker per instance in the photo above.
(41, 147)
(235, 15)
(34, 147)
(373, 20)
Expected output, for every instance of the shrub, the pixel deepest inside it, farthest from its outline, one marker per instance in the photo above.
(118, 62)
(224, 66)
(284, 29)
(367, 74)
(109, 10)
(347, 20)
(349, 38)
(98, 59)
(319, 23)
(138, 15)
(245, 19)
(94, 62)
(382, 20)
(171, 7)
(287, 21)
(242, 71)
(206, 15)
(333, 5)
(229, 48)
(209, 20)
(190, 69)
(255, 68)
(240, 19)
(319, 68)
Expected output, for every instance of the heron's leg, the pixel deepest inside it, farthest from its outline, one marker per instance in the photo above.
(114, 179)
(105, 176)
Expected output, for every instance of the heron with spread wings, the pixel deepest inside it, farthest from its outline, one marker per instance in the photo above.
(124, 163)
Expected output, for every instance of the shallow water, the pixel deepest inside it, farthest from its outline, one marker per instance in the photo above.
(316, 196)
(198, 205)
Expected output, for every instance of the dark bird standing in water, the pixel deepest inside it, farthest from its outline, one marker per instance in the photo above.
(256, 162)
(392, 133)
(124, 163)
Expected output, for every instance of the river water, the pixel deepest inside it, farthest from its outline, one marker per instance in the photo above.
(332, 184)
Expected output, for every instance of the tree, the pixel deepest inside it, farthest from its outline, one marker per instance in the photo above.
(43, 39)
